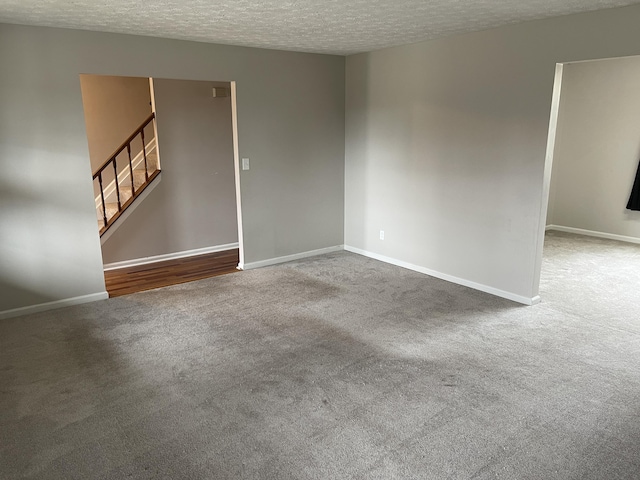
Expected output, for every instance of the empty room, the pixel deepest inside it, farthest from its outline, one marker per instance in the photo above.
(436, 272)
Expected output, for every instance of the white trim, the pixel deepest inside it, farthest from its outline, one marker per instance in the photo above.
(546, 179)
(592, 233)
(449, 278)
(110, 189)
(169, 256)
(600, 59)
(290, 258)
(43, 307)
(236, 171)
(152, 93)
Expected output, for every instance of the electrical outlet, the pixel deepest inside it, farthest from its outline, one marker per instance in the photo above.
(381, 234)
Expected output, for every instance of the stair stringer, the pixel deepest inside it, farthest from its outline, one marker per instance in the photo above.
(129, 210)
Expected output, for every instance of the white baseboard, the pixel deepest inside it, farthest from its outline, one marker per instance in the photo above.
(592, 233)
(449, 278)
(43, 307)
(290, 258)
(169, 256)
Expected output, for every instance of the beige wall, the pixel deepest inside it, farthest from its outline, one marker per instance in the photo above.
(597, 147)
(194, 206)
(446, 142)
(113, 108)
(290, 123)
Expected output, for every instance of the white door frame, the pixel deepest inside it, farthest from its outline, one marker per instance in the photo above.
(236, 162)
(546, 183)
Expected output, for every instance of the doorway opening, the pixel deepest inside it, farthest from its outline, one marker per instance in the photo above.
(193, 210)
(592, 157)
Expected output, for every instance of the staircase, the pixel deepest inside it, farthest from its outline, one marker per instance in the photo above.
(126, 175)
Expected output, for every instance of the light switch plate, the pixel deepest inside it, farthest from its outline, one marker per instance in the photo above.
(245, 164)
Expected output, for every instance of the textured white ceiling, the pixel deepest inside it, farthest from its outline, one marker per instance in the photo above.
(325, 26)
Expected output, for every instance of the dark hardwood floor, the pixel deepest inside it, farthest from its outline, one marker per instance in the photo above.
(171, 272)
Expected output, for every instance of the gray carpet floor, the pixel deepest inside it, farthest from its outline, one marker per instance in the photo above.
(334, 367)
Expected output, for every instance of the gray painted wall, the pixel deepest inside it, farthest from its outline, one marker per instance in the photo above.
(446, 145)
(597, 147)
(290, 123)
(194, 205)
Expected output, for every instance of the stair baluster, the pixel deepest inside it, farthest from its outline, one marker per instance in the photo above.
(144, 153)
(115, 171)
(104, 208)
(133, 187)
